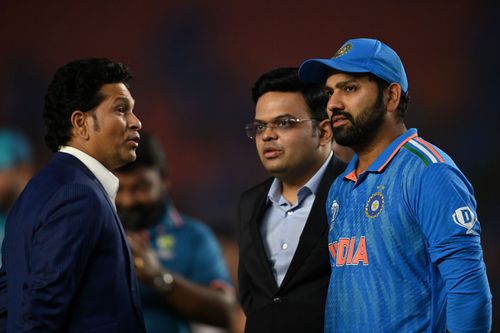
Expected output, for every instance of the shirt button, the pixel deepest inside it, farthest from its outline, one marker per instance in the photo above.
(276, 300)
(290, 212)
(284, 246)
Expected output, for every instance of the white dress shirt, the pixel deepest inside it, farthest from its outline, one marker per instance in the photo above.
(109, 181)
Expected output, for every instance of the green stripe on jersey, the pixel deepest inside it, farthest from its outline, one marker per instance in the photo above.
(419, 154)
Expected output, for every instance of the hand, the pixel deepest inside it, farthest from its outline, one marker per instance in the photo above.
(146, 262)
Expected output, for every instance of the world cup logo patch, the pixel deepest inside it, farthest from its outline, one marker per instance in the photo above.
(334, 210)
(374, 205)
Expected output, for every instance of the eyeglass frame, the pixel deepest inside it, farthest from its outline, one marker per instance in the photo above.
(252, 132)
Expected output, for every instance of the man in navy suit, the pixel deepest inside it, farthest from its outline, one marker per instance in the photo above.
(66, 265)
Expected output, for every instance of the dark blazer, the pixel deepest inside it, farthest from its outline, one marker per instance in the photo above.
(66, 264)
(298, 304)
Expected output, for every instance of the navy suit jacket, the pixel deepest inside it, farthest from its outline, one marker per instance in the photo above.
(66, 264)
(298, 304)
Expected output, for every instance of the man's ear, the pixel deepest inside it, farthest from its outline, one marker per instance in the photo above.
(393, 97)
(80, 124)
(325, 132)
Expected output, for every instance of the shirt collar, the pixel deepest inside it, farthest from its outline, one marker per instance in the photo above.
(109, 181)
(384, 158)
(312, 184)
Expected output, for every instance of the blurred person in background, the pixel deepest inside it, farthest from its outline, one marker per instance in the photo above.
(182, 273)
(284, 264)
(404, 235)
(16, 169)
(66, 263)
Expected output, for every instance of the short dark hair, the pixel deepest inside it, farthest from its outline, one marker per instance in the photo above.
(404, 100)
(286, 79)
(149, 154)
(76, 86)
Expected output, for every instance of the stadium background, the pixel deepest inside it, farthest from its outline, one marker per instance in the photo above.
(194, 63)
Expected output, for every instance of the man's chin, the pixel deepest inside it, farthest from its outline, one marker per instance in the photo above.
(130, 156)
(345, 138)
(274, 167)
(124, 160)
(277, 172)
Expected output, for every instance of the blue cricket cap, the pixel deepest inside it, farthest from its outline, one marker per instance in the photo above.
(14, 149)
(360, 55)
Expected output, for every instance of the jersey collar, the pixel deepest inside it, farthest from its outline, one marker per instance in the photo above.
(384, 158)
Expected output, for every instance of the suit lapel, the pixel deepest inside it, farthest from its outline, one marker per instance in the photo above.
(316, 225)
(254, 225)
(134, 287)
(131, 272)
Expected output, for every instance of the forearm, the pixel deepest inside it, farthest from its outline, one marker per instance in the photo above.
(469, 306)
(199, 303)
(468, 296)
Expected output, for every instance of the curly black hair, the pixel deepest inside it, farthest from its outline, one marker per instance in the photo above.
(76, 86)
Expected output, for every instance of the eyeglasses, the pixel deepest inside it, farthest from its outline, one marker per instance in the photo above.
(280, 124)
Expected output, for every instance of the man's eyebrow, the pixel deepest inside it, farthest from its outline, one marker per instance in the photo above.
(286, 115)
(123, 100)
(344, 83)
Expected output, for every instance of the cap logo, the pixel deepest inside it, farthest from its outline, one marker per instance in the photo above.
(343, 50)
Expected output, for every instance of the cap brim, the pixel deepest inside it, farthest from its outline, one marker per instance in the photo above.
(315, 70)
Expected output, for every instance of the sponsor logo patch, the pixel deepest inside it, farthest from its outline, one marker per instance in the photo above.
(465, 217)
(165, 246)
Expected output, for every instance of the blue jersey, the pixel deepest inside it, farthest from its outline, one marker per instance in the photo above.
(405, 246)
(187, 247)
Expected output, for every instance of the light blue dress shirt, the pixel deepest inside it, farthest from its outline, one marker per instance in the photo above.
(283, 223)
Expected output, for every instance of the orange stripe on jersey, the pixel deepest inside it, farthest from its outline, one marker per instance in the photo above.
(426, 144)
(395, 151)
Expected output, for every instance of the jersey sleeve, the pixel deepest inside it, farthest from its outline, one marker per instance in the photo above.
(445, 208)
(209, 266)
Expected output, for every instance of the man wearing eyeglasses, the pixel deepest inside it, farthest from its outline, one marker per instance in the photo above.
(284, 265)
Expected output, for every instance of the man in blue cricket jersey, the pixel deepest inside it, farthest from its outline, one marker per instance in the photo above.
(16, 169)
(404, 236)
